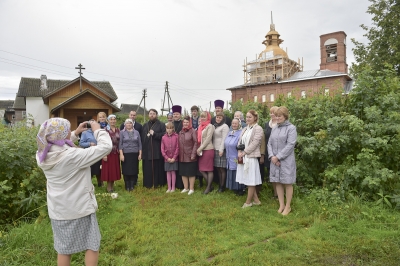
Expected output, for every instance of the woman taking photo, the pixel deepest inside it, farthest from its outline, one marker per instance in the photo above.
(248, 173)
(281, 154)
(220, 132)
(110, 166)
(130, 153)
(231, 141)
(205, 151)
(187, 155)
(71, 201)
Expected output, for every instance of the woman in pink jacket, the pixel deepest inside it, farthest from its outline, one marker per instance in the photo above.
(170, 152)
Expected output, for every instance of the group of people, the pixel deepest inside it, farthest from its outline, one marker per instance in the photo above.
(233, 152)
(172, 153)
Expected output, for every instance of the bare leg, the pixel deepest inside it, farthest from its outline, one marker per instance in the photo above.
(191, 182)
(274, 187)
(289, 196)
(185, 182)
(251, 190)
(109, 186)
(63, 260)
(255, 196)
(281, 197)
(91, 257)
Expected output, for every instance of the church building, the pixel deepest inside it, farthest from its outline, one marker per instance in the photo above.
(273, 73)
(77, 100)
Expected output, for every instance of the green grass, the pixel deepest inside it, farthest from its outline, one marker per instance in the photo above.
(150, 227)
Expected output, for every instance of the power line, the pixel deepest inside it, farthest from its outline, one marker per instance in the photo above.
(66, 74)
(70, 68)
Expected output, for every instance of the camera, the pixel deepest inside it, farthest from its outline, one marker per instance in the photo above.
(88, 125)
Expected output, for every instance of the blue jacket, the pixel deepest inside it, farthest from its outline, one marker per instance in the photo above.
(86, 138)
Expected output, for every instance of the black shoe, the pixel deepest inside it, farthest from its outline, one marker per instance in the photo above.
(221, 189)
(240, 193)
(208, 191)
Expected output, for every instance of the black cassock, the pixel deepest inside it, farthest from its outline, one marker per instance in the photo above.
(179, 183)
(152, 159)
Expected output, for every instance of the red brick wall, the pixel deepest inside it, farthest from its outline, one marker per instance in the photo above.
(309, 86)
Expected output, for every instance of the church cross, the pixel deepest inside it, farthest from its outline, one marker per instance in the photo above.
(80, 74)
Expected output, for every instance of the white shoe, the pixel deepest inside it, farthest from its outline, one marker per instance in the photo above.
(184, 190)
(191, 192)
(172, 190)
(245, 205)
(168, 191)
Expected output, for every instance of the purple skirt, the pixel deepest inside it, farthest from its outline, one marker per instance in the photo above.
(206, 161)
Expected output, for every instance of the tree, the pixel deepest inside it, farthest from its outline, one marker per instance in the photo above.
(383, 46)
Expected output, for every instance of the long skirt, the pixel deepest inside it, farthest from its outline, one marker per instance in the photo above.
(251, 176)
(111, 170)
(231, 181)
(153, 173)
(130, 165)
(73, 236)
(206, 161)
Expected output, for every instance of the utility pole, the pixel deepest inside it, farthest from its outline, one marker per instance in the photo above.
(166, 93)
(80, 74)
(144, 104)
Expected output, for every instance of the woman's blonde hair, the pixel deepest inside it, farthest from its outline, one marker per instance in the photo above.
(283, 111)
(273, 109)
(101, 113)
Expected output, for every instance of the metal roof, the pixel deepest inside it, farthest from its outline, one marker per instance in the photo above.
(313, 74)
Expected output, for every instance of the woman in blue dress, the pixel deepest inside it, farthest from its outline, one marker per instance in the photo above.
(231, 142)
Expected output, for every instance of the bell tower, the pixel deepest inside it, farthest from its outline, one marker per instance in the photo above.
(333, 51)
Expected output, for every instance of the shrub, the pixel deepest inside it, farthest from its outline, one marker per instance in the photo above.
(22, 183)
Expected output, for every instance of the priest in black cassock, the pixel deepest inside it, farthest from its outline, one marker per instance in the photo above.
(219, 107)
(177, 114)
(152, 159)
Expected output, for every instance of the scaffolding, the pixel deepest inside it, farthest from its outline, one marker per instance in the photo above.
(271, 65)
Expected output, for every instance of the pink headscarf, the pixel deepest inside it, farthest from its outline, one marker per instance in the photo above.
(202, 126)
(52, 132)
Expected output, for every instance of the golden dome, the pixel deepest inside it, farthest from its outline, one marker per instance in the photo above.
(272, 42)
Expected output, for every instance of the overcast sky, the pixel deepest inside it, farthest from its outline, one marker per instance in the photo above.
(198, 46)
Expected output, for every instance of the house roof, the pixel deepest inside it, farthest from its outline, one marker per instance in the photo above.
(303, 75)
(126, 108)
(82, 93)
(30, 87)
(6, 104)
(19, 103)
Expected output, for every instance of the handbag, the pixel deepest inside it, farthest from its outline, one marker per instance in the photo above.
(240, 160)
(240, 147)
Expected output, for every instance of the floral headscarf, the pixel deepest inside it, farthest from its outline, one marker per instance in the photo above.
(52, 132)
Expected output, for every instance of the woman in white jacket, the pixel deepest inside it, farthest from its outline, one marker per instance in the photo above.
(71, 201)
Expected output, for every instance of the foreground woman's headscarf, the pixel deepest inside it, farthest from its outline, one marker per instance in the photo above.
(53, 131)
